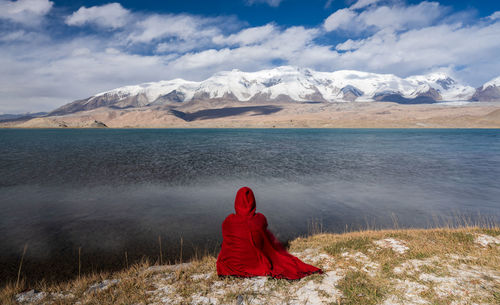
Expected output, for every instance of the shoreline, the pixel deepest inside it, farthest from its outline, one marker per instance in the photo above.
(249, 128)
(395, 266)
(384, 115)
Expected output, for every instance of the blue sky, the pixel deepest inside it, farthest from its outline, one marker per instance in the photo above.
(54, 52)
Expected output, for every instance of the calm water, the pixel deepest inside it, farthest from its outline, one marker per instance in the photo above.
(116, 191)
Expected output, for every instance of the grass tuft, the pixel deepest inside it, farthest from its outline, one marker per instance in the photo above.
(359, 288)
(359, 243)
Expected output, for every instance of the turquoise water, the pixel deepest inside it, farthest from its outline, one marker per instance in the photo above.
(110, 191)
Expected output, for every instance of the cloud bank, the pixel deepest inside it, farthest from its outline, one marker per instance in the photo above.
(109, 46)
(27, 12)
(111, 15)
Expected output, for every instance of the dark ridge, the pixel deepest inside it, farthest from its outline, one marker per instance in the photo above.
(21, 117)
(351, 93)
(351, 89)
(397, 98)
(207, 114)
(98, 124)
(272, 82)
(120, 108)
(446, 83)
(491, 93)
(173, 96)
(105, 100)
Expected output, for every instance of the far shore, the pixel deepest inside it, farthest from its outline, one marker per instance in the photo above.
(279, 115)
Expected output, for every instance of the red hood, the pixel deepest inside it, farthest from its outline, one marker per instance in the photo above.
(244, 204)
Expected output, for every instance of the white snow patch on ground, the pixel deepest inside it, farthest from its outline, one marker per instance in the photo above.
(217, 288)
(34, 297)
(396, 245)
(30, 297)
(200, 299)
(412, 266)
(368, 265)
(464, 282)
(201, 276)
(314, 256)
(408, 293)
(251, 286)
(164, 291)
(310, 292)
(452, 280)
(255, 283)
(162, 294)
(485, 240)
(57, 295)
(102, 285)
(445, 286)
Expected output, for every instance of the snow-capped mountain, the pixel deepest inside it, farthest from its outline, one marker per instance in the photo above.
(488, 92)
(282, 84)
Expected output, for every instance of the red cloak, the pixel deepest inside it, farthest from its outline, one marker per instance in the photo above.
(250, 249)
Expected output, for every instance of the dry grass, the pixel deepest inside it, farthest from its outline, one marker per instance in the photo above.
(435, 246)
(439, 266)
(359, 288)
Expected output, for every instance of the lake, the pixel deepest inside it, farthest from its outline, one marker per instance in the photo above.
(116, 191)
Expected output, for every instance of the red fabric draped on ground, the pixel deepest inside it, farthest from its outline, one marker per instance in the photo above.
(250, 249)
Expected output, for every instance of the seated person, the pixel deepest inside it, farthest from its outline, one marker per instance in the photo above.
(250, 249)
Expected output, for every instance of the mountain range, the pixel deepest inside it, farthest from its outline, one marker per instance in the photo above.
(290, 84)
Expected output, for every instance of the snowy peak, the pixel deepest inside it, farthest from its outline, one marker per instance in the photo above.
(296, 83)
(490, 91)
(492, 83)
(285, 83)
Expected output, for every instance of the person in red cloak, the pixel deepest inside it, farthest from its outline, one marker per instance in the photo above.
(250, 249)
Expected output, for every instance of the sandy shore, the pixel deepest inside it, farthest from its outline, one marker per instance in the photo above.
(282, 115)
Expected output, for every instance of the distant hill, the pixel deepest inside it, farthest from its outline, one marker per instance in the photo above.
(490, 91)
(19, 117)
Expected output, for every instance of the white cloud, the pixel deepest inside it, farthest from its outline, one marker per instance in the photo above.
(27, 12)
(14, 36)
(363, 3)
(285, 45)
(248, 36)
(171, 32)
(350, 44)
(421, 50)
(401, 17)
(273, 3)
(185, 27)
(396, 17)
(494, 16)
(49, 75)
(176, 46)
(52, 74)
(111, 15)
(42, 72)
(340, 19)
